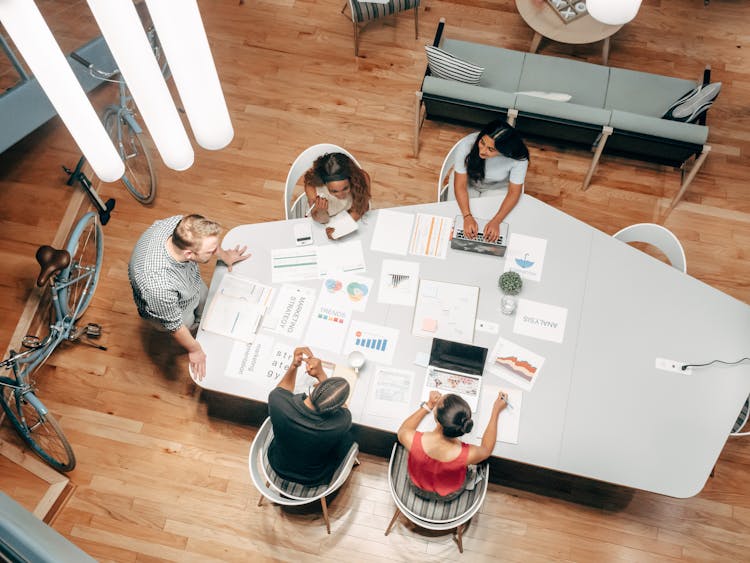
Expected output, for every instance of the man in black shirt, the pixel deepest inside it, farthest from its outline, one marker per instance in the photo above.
(311, 432)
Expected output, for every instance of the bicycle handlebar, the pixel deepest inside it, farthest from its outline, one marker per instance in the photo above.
(93, 71)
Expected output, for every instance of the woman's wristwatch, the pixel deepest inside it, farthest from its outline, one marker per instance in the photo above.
(425, 406)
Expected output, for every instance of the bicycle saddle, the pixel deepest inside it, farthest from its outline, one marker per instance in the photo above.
(51, 261)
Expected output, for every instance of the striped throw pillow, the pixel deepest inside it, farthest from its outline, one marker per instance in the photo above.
(444, 65)
(693, 104)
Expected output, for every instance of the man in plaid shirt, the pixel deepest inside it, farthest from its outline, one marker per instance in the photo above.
(166, 281)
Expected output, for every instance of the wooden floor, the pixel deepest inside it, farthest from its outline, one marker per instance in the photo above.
(160, 480)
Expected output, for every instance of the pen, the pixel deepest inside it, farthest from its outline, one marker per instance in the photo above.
(311, 209)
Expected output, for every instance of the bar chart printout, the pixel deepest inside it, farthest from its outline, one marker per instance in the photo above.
(376, 342)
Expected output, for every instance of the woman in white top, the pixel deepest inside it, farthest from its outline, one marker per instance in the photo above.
(494, 158)
(335, 184)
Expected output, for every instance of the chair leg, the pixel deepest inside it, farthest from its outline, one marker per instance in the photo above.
(606, 132)
(324, 504)
(416, 22)
(356, 39)
(345, 5)
(459, 538)
(260, 500)
(393, 521)
(687, 181)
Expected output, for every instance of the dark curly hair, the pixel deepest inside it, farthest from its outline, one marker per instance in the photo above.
(508, 142)
(337, 166)
(454, 415)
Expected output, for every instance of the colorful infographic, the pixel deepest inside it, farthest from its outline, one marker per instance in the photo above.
(346, 291)
(376, 342)
(515, 363)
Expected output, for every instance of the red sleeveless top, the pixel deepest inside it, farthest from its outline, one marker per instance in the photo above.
(441, 477)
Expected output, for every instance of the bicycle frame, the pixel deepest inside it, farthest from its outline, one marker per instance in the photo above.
(25, 363)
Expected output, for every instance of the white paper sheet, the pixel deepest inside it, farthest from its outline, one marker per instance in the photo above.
(294, 264)
(431, 235)
(327, 327)
(376, 342)
(514, 363)
(342, 224)
(399, 281)
(509, 422)
(525, 255)
(540, 320)
(346, 257)
(445, 310)
(345, 290)
(390, 393)
(392, 232)
(237, 308)
(249, 361)
(291, 311)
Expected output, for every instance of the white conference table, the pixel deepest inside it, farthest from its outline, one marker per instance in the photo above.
(599, 409)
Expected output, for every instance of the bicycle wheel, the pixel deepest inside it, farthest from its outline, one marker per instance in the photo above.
(40, 431)
(86, 245)
(139, 178)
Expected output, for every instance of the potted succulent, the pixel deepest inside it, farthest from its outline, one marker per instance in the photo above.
(510, 283)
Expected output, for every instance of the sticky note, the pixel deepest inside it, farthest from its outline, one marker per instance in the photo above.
(429, 325)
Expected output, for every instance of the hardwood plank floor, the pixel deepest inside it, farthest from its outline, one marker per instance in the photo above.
(158, 479)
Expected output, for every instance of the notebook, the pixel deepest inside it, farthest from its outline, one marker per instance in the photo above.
(459, 241)
(455, 368)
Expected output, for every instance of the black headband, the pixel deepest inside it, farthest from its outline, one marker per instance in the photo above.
(334, 177)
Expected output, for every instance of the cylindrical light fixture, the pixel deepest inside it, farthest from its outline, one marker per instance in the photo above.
(34, 40)
(122, 29)
(613, 12)
(183, 37)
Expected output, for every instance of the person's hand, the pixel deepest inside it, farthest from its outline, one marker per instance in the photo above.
(329, 232)
(234, 255)
(315, 369)
(320, 211)
(321, 203)
(197, 359)
(433, 399)
(492, 230)
(301, 354)
(502, 401)
(470, 226)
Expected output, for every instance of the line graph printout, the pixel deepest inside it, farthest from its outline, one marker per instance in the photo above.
(431, 235)
(515, 363)
(376, 342)
(294, 264)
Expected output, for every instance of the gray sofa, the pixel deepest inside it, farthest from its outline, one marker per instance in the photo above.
(611, 110)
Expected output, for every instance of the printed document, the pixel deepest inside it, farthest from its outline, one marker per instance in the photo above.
(399, 281)
(237, 308)
(290, 311)
(376, 342)
(525, 255)
(540, 320)
(431, 235)
(390, 393)
(342, 224)
(392, 232)
(509, 422)
(514, 363)
(346, 257)
(294, 264)
(345, 290)
(445, 310)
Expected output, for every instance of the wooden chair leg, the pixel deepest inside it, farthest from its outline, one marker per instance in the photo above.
(416, 22)
(512, 116)
(344, 8)
(324, 504)
(459, 538)
(606, 132)
(691, 175)
(417, 121)
(393, 521)
(356, 39)
(260, 500)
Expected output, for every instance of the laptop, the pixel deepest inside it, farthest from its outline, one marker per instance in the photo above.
(456, 368)
(459, 241)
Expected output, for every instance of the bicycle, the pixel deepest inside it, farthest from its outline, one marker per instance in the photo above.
(126, 133)
(71, 275)
(103, 208)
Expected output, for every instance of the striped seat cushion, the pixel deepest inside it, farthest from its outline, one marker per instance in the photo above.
(742, 419)
(438, 511)
(449, 67)
(366, 11)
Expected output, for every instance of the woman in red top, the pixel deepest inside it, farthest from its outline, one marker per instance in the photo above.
(438, 459)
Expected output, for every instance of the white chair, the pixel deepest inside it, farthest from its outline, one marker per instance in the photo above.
(287, 493)
(301, 165)
(363, 12)
(742, 420)
(658, 236)
(437, 515)
(445, 190)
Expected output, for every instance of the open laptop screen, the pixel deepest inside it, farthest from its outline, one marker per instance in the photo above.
(456, 356)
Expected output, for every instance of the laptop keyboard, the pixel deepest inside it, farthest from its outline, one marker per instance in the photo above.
(479, 238)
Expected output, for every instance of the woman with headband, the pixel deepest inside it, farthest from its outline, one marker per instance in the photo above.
(494, 158)
(335, 184)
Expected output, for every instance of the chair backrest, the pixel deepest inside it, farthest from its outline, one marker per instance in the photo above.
(445, 180)
(658, 236)
(742, 420)
(367, 11)
(301, 165)
(433, 514)
(255, 461)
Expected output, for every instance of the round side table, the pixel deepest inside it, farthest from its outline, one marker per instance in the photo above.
(541, 17)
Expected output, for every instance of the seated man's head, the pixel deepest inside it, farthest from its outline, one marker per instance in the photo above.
(328, 396)
(197, 238)
(454, 415)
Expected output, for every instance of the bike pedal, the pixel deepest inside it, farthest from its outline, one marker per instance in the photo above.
(93, 330)
(31, 341)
